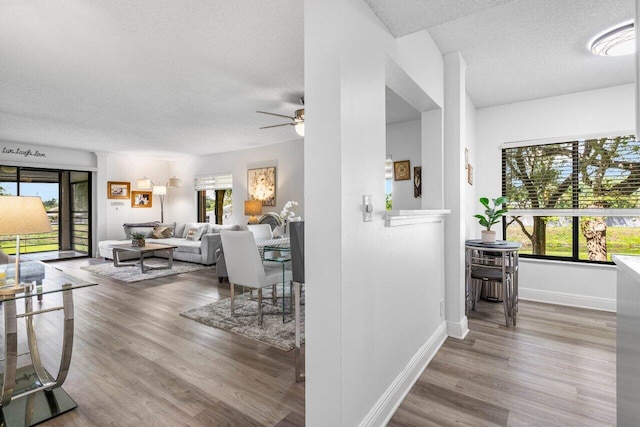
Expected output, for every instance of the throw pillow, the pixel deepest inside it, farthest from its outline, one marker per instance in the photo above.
(195, 233)
(162, 232)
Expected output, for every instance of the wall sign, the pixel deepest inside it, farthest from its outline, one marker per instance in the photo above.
(23, 153)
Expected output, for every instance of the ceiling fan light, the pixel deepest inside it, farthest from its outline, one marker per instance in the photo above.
(617, 41)
(300, 129)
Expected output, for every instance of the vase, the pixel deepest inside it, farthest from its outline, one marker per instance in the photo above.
(138, 243)
(488, 236)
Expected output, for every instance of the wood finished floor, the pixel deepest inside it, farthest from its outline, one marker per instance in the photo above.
(557, 367)
(138, 363)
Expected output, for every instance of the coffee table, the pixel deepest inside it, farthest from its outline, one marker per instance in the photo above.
(141, 250)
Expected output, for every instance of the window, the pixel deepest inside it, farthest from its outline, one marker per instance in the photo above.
(577, 200)
(214, 198)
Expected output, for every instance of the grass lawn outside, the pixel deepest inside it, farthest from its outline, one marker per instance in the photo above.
(620, 240)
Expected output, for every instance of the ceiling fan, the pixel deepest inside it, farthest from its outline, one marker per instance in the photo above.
(297, 119)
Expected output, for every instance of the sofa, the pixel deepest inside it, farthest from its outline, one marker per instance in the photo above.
(196, 242)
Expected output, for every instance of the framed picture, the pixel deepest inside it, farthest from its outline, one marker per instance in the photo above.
(118, 190)
(417, 182)
(261, 185)
(141, 199)
(470, 174)
(401, 170)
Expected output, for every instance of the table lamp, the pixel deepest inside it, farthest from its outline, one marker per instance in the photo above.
(253, 208)
(22, 215)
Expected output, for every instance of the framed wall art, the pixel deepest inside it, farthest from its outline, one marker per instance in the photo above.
(417, 182)
(141, 199)
(470, 174)
(401, 170)
(118, 190)
(261, 185)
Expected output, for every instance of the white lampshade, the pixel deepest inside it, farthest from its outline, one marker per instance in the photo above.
(174, 182)
(23, 215)
(144, 183)
(160, 190)
(300, 129)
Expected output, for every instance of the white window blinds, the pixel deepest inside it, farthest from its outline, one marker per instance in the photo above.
(213, 182)
(600, 175)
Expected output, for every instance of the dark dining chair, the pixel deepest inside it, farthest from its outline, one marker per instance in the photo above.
(296, 236)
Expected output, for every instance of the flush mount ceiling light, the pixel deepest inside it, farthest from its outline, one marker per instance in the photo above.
(616, 41)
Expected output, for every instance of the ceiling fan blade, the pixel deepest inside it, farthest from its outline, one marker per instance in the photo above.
(275, 126)
(278, 115)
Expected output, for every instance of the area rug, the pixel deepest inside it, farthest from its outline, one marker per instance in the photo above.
(132, 273)
(273, 331)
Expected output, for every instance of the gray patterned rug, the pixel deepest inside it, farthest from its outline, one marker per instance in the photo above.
(133, 274)
(273, 331)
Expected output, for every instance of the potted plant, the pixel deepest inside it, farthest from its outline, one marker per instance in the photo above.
(137, 239)
(492, 215)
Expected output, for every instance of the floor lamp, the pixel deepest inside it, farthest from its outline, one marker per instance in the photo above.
(160, 191)
(22, 215)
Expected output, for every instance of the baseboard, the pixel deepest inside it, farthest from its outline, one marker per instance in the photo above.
(458, 330)
(594, 303)
(386, 406)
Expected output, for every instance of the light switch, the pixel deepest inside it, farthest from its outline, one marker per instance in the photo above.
(367, 208)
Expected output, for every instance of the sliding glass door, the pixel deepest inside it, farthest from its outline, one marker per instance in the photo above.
(66, 197)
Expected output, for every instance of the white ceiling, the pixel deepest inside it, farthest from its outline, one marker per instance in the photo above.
(166, 76)
(517, 50)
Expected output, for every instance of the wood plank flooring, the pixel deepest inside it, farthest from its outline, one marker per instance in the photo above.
(136, 362)
(557, 367)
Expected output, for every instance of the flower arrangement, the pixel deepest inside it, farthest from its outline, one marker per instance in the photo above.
(289, 211)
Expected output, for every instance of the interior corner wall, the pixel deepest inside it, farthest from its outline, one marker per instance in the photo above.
(432, 160)
(404, 143)
(112, 213)
(372, 292)
(609, 111)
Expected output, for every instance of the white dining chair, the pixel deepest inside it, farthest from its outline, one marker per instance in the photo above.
(260, 231)
(246, 268)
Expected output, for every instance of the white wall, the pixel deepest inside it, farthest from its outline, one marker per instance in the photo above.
(404, 143)
(286, 157)
(112, 213)
(181, 203)
(603, 112)
(472, 204)
(373, 292)
(46, 157)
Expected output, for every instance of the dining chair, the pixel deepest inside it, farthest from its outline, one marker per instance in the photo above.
(246, 268)
(297, 250)
(261, 231)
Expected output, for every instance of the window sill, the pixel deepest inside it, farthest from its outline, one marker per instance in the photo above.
(565, 263)
(410, 217)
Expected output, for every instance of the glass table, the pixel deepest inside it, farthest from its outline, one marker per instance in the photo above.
(492, 263)
(273, 252)
(30, 394)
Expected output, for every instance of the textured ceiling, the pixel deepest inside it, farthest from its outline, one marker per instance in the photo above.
(166, 76)
(159, 76)
(518, 50)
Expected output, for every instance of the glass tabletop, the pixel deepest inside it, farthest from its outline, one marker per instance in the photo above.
(38, 278)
